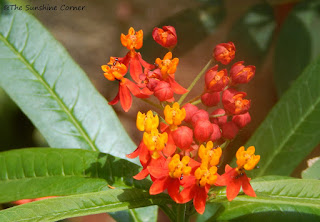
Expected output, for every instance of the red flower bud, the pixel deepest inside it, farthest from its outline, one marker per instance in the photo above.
(229, 130)
(210, 99)
(241, 74)
(218, 120)
(183, 137)
(190, 111)
(166, 37)
(242, 120)
(234, 103)
(216, 81)
(163, 91)
(199, 115)
(203, 129)
(216, 134)
(224, 52)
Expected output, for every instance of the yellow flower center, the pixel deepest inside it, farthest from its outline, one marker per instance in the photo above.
(167, 65)
(206, 176)
(179, 168)
(246, 158)
(155, 142)
(147, 122)
(209, 157)
(174, 115)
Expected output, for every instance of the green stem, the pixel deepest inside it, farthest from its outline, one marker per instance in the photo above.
(196, 102)
(194, 99)
(182, 214)
(225, 144)
(195, 81)
(217, 115)
(152, 103)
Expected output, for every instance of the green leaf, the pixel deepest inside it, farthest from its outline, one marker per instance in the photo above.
(83, 204)
(252, 33)
(53, 91)
(291, 130)
(192, 26)
(39, 172)
(137, 215)
(298, 43)
(287, 198)
(313, 171)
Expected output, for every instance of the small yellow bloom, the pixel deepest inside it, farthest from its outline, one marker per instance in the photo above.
(167, 65)
(133, 40)
(174, 115)
(178, 168)
(155, 142)
(114, 70)
(209, 156)
(147, 122)
(247, 159)
(206, 176)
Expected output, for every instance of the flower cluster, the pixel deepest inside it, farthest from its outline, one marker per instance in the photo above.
(182, 148)
(149, 79)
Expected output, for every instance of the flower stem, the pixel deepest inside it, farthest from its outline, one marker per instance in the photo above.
(195, 81)
(196, 102)
(152, 103)
(217, 115)
(182, 214)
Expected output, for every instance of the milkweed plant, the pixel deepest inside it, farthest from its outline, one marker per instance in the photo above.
(179, 167)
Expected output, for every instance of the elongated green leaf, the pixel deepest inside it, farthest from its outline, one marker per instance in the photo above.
(53, 91)
(252, 33)
(38, 172)
(294, 52)
(82, 204)
(313, 171)
(282, 197)
(292, 128)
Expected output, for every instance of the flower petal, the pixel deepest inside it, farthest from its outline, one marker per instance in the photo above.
(159, 185)
(125, 97)
(233, 188)
(135, 68)
(246, 186)
(177, 88)
(199, 200)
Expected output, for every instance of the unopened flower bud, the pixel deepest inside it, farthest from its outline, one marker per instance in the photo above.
(216, 80)
(199, 115)
(224, 52)
(163, 91)
(210, 99)
(242, 120)
(220, 119)
(241, 74)
(216, 134)
(229, 130)
(183, 137)
(203, 129)
(166, 37)
(190, 111)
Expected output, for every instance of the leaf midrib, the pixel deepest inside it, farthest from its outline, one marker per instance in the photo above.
(292, 132)
(60, 102)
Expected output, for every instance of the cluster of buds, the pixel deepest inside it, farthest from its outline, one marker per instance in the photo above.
(181, 149)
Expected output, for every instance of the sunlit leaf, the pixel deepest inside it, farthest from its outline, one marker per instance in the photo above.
(83, 204)
(295, 199)
(53, 91)
(38, 172)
